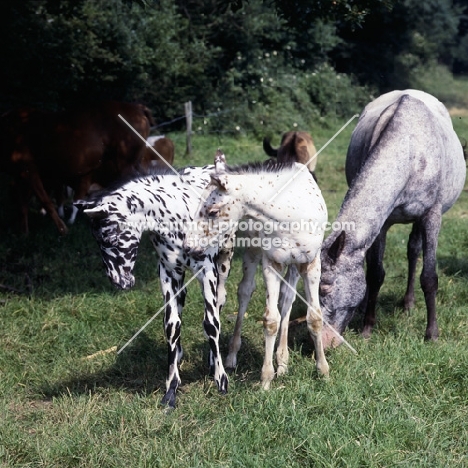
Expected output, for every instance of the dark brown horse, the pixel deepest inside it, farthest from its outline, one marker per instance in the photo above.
(46, 151)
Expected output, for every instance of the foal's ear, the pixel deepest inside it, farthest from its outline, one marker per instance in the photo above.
(337, 247)
(220, 161)
(98, 212)
(220, 181)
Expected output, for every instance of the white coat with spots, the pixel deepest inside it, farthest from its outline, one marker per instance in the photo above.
(287, 198)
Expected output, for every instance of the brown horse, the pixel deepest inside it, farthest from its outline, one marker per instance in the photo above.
(294, 147)
(158, 150)
(45, 151)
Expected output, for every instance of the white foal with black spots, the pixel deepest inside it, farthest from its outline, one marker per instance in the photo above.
(263, 192)
(159, 204)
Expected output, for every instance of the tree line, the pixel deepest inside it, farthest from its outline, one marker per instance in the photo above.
(249, 65)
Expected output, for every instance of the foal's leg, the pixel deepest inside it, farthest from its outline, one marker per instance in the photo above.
(211, 322)
(171, 283)
(429, 279)
(250, 261)
(287, 297)
(413, 251)
(271, 318)
(223, 264)
(311, 275)
(374, 277)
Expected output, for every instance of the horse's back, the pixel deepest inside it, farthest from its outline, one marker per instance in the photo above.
(412, 129)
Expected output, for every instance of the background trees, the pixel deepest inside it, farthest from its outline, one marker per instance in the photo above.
(254, 65)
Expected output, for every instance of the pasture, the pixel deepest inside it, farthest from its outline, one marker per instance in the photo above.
(67, 398)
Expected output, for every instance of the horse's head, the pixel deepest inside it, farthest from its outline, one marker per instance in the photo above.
(117, 238)
(342, 286)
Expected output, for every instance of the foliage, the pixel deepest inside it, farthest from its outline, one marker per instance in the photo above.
(253, 65)
(396, 37)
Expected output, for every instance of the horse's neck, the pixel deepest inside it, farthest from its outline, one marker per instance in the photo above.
(372, 198)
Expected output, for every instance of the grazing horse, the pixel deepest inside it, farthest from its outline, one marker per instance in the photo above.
(294, 147)
(163, 204)
(405, 164)
(47, 151)
(292, 219)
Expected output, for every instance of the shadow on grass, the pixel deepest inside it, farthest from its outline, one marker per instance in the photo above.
(141, 369)
(453, 266)
(47, 265)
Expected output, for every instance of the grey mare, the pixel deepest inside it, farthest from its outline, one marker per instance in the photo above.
(405, 164)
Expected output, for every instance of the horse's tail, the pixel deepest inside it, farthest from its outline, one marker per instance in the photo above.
(465, 152)
(269, 149)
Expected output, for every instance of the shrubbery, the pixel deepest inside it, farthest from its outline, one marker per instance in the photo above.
(247, 66)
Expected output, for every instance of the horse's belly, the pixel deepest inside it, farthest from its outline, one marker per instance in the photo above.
(292, 251)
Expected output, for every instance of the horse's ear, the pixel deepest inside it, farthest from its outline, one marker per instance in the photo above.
(337, 247)
(220, 162)
(220, 181)
(98, 212)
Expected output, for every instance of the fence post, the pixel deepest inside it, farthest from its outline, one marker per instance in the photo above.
(188, 119)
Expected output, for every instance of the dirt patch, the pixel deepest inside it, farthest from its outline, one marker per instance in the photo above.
(458, 112)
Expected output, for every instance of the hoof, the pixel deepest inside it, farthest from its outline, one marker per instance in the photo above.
(230, 362)
(282, 370)
(223, 384)
(432, 333)
(431, 337)
(169, 400)
(266, 385)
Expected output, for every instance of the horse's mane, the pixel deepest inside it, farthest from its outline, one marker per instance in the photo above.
(138, 174)
(259, 167)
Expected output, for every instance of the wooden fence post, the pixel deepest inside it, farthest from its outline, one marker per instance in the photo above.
(188, 119)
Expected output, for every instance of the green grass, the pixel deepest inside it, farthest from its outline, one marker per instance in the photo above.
(399, 401)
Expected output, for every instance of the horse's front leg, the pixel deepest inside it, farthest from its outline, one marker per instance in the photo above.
(412, 252)
(287, 297)
(429, 279)
(311, 275)
(211, 322)
(271, 318)
(171, 284)
(374, 277)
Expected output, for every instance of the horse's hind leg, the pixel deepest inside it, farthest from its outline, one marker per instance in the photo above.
(223, 262)
(212, 324)
(287, 297)
(171, 284)
(413, 251)
(311, 275)
(374, 277)
(252, 257)
(429, 279)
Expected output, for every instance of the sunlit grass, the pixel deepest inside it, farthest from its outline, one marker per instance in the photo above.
(399, 401)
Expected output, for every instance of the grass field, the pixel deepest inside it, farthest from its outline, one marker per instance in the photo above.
(63, 403)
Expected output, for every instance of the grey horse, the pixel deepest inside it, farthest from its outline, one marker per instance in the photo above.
(405, 164)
